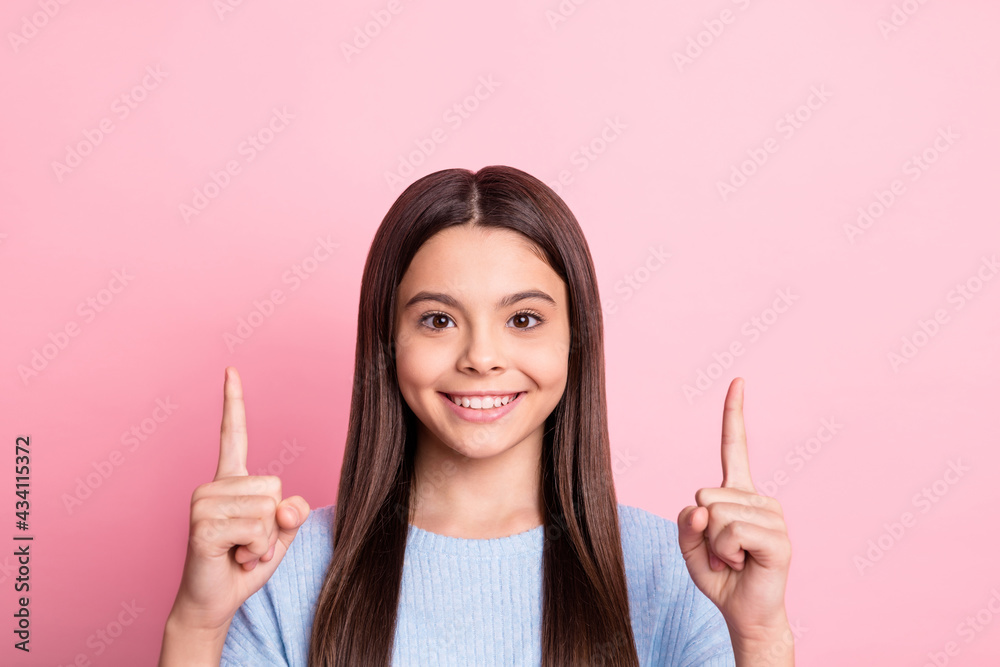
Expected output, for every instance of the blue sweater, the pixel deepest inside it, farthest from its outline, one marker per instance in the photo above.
(478, 601)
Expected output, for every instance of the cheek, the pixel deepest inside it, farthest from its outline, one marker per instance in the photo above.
(547, 367)
(417, 367)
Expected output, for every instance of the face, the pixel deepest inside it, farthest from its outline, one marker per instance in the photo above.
(479, 314)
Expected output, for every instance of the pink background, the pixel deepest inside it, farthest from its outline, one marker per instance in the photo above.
(672, 131)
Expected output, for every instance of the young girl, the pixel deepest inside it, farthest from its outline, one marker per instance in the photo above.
(476, 520)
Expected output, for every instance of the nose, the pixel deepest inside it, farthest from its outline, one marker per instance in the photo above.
(483, 349)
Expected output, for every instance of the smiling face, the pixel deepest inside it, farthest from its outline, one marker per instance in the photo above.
(479, 314)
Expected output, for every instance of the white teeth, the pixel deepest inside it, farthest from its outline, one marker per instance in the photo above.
(482, 402)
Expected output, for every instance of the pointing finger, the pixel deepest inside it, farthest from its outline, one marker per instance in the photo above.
(233, 438)
(735, 459)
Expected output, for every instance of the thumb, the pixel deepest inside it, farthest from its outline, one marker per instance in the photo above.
(691, 526)
(291, 513)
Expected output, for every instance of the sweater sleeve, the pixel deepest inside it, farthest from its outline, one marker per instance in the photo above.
(272, 627)
(707, 643)
(253, 639)
(692, 632)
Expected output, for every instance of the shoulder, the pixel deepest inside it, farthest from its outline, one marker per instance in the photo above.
(304, 566)
(273, 625)
(657, 574)
(319, 523)
(653, 562)
(647, 532)
(673, 619)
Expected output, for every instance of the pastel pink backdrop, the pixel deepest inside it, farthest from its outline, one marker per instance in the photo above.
(663, 133)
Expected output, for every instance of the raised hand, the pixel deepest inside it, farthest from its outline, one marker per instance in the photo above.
(734, 540)
(240, 528)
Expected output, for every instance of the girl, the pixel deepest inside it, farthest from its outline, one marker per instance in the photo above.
(476, 520)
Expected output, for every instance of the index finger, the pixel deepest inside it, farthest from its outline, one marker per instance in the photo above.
(233, 438)
(735, 458)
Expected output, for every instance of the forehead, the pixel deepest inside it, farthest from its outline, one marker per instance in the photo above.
(467, 258)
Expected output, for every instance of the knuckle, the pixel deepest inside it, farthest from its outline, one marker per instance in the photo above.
(265, 485)
(199, 508)
(736, 529)
(230, 505)
(201, 491)
(204, 531)
(776, 507)
(273, 485)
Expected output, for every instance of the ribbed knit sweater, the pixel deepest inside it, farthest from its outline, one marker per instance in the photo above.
(478, 601)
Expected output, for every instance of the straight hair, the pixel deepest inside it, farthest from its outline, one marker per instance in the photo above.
(585, 606)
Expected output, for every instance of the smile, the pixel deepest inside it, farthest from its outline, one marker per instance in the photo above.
(482, 402)
(482, 414)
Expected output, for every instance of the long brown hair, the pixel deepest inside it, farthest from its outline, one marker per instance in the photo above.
(585, 609)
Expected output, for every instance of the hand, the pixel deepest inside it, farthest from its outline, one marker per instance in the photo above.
(735, 542)
(233, 510)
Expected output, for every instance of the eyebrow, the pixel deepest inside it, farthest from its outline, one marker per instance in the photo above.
(503, 302)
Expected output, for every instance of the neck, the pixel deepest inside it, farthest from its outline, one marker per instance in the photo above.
(477, 498)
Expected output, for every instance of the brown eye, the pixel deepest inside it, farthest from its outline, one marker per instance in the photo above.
(435, 319)
(524, 318)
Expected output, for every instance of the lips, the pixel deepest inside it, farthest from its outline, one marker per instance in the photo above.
(481, 415)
